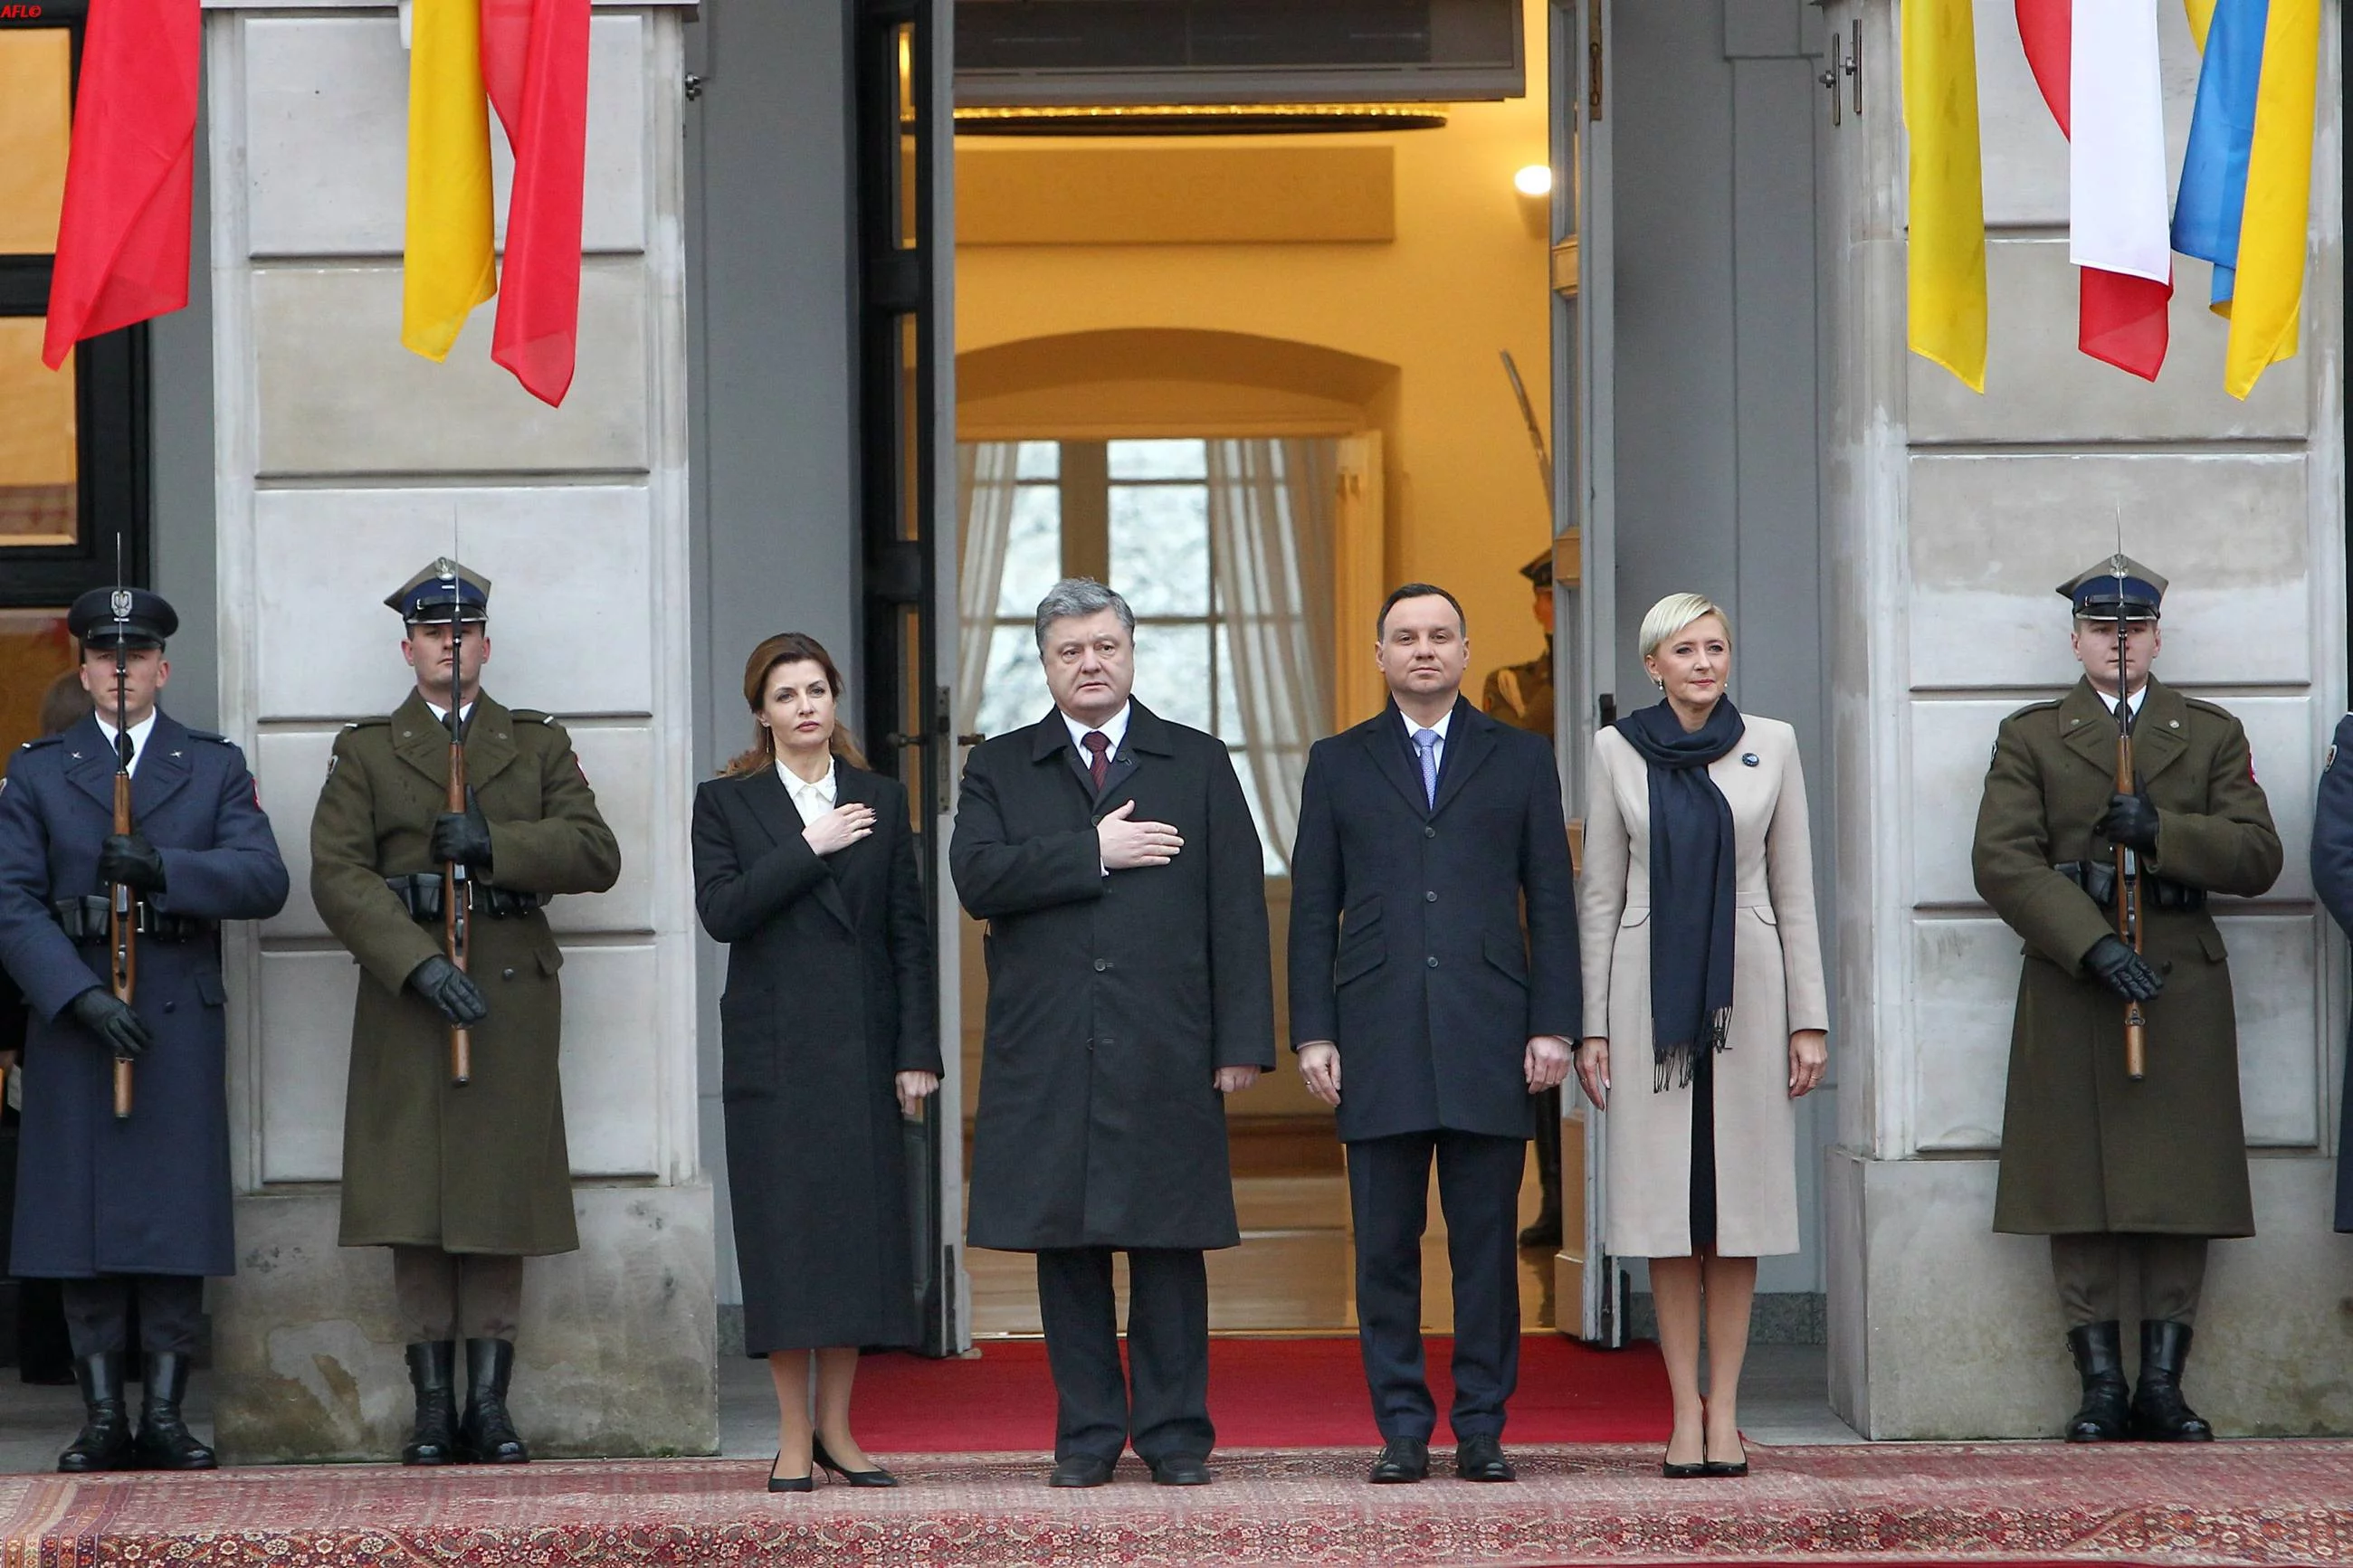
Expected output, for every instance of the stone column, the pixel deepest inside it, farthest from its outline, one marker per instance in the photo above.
(1952, 515)
(345, 462)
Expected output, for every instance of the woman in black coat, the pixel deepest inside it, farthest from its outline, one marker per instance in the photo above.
(805, 866)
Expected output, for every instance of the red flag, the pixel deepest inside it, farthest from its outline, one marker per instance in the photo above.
(123, 235)
(535, 68)
(2121, 319)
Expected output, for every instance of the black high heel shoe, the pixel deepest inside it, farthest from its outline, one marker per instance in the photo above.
(777, 1483)
(877, 1476)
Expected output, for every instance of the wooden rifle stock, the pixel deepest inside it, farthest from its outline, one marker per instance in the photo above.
(122, 934)
(457, 894)
(2128, 906)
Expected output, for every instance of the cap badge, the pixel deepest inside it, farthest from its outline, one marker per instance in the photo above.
(119, 602)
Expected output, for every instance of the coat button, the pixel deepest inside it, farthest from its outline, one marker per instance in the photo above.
(1104, 1040)
(1429, 833)
(1433, 960)
(1429, 897)
(506, 975)
(1102, 964)
(171, 1006)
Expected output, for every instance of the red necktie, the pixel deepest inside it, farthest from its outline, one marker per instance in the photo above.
(1098, 745)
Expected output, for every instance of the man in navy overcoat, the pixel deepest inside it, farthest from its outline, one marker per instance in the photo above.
(133, 1208)
(1424, 1015)
(2332, 879)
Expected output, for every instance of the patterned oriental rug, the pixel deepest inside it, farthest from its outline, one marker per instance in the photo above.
(2013, 1504)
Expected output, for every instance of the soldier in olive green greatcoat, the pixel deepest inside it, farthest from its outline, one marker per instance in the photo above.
(461, 1183)
(2106, 1165)
(1521, 696)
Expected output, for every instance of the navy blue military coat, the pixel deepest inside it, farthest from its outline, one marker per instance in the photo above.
(1406, 947)
(149, 1196)
(2332, 879)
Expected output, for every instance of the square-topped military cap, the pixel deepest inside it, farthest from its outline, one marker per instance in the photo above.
(1539, 571)
(432, 594)
(2118, 589)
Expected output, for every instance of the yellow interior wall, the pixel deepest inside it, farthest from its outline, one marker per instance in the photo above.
(1466, 275)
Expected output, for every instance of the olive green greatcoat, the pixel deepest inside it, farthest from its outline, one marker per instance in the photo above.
(2085, 1148)
(483, 1168)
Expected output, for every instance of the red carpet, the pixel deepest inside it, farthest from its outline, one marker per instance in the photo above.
(1918, 1505)
(1263, 1393)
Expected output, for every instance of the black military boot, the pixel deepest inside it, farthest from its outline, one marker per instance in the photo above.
(2159, 1413)
(2106, 1415)
(487, 1437)
(432, 1373)
(165, 1442)
(104, 1442)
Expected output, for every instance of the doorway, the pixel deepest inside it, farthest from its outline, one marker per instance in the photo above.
(1203, 313)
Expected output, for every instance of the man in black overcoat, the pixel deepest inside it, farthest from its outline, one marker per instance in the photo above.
(1424, 1016)
(1112, 855)
(2332, 879)
(136, 1207)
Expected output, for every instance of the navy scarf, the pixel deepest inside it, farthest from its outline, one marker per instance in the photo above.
(1691, 885)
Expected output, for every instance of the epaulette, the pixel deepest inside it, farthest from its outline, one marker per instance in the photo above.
(2216, 709)
(38, 741)
(214, 736)
(2037, 708)
(376, 723)
(531, 716)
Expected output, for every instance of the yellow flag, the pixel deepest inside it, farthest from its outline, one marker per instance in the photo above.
(2201, 16)
(2264, 317)
(448, 268)
(1948, 292)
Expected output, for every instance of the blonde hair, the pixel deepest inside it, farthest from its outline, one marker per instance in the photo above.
(1673, 613)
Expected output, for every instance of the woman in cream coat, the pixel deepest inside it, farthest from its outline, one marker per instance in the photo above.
(1703, 1138)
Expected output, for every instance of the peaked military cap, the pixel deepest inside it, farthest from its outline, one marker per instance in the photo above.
(1539, 571)
(428, 595)
(2118, 589)
(122, 617)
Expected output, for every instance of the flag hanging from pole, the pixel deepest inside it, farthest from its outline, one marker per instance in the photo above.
(535, 67)
(122, 229)
(1946, 257)
(448, 267)
(2095, 62)
(2207, 213)
(2265, 305)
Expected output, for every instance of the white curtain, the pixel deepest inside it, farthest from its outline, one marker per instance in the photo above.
(1271, 504)
(984, 495)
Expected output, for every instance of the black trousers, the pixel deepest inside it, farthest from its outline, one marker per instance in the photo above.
(1479, 1189)
(1162, 1402)
(98, 1313)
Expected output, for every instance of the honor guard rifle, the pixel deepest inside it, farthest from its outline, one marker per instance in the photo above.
(123, 904)
(2128, 921)
(457, 890)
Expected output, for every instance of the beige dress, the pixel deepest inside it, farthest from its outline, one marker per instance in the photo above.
(1777, 987)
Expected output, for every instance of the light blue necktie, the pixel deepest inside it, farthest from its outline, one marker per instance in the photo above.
(1425, 741)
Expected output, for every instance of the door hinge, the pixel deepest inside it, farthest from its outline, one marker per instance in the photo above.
(1593, 57)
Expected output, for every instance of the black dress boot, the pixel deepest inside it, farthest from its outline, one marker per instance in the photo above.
(487, 1437)
(2106, 1414)
(165, 1442)
(104, 1442)
(2159, 1413)
(432, 1373)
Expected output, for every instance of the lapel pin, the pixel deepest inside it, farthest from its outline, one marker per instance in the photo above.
(1749, 759)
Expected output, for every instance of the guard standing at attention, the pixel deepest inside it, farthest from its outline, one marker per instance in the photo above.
(123, 1208)
(2332, 879)
(2104, 1163)
(1521, 696)
(462, 1182)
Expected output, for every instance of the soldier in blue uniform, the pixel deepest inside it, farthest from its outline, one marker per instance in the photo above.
(2332, 879)
(121, 1209)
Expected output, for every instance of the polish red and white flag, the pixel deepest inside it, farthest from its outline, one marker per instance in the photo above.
(2096, 63)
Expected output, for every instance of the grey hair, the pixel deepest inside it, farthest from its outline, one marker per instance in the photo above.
(1077, 596)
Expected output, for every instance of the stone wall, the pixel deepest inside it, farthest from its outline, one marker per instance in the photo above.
(1951, 517)
(343, 464)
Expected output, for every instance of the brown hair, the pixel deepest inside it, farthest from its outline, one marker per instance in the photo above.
(788, 648)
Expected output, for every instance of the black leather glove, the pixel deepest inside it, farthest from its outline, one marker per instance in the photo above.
(452, 994)
(2130, 821)
(2123, 971)
(129, 859)
(113, 1021)
(463, 837)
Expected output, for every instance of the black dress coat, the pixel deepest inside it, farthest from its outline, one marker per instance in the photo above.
(150, 1195)
(830, 997)
(1112, 998)
(1406, 944)
(2332, 879)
